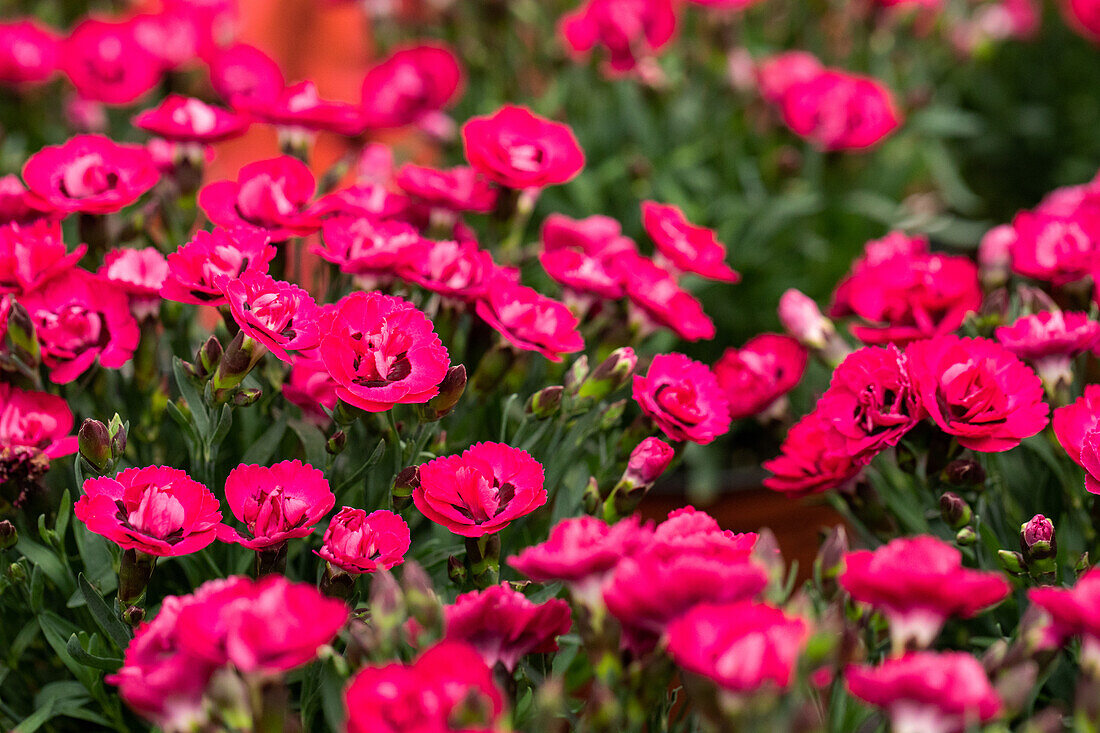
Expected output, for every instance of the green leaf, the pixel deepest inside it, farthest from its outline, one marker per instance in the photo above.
(57, 632)
(96, 557)
(375, 456)
(49, 563)
(104, 616)
(35, 720)
(313, 442)
(64, 514)
(260, 452)
(225, 421)
(83, 656)
(193, 397)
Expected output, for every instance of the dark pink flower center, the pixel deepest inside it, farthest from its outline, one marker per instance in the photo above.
(88, 176)
(380, 357)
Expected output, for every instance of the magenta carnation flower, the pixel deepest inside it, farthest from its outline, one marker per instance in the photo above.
(28, 52)
(17, 204)
(815, 457)
(140, 272)
(777, 74)
(189, 120)
(90, 173)
(631, 32)
(300, 107)
(275, 504)
(688, 247)
(381, 351)
(37, 420)
(459, 270)
(836, 110)
(503, 626)
(743, 646)
(755, 376)
(1073, 422)
(244, 75)
(77, 321)
(977, 391)
(449, 682)
(918, 583)
(281, 316)
(409, 85)
(357, 542)
(947, 692)
(31, 254)
(197, 267)
(655, 291)
(1053, 247)
(521, 150)
(366, 245)
(457, 189)
(597, 236)
(311, 388)
(529, 320)
(273, 195)
(684, 399)
(106, 63)
(481, 491)
(1050, 340)
(156, 510)
(1072, 613)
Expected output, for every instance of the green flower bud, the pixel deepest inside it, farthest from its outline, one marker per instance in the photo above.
(546, 402)
(94, 442)
(611, 374)
(955, 511)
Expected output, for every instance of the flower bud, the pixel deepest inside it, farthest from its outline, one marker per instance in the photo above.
(612, 373)
(403, 485)
(612, 414)
(966, 537)
(246, 397)
(22, 335)
(456, 571)
(386, 599)
(802, 319)
(94, 443)
(830, 557)
(8, 535)
(964, 472)
(577, 373)
(1013, 562)
(17, 573)
(647, 462)
(1082, 565)
(420, 597)
(117, 430)
(995, 256)
(955, 511)
(546, 402)
(336, 443)
(239, 358)
(208, 358)
(133, 615)
(591, 499)
(1037, 540)
(450, 392)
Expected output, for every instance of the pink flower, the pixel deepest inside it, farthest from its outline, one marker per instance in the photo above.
(481, 491)
(688, 247)
(300, 107)
(370, 200)
(743, 646)
(1072, 613)
(412, 83)
(190, 120)
(978, 391)
(918, 583)
(17, 204)
(995, 255)
(364, 245)
(1083, 17)
(777, 74)
(381, 351)
(684, 399)
(521, 150)
(815, 457)
(275, 504)
(171, 38)
(78, 321)
(90, 174)
(157, 510)
(448, 685)
(281, 316)
(1050, 340)
(357, 542)
(311, 388)
(273, 195)
(630, 31)
(196, 268)
(1073, 422)
(106, 63)
(1057, 248)
(264, 626)
(36, 420)
(28, 52)
(654, 290)
(140, 272)
(33, 253)
(529, 320)
(503, 626)
(456, 189)
(582, 551)
(836, 110)
(759, 373)
(648, 461)
(582, 254)
(871, 401)
(244, 75)
(458, 270)
(906, 293)
(926, 692)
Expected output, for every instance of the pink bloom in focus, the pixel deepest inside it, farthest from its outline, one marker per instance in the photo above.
(632, 31)
(190, 120)
(37, 420)
(28, 52)
(836, 110)
(521, 150)
(265, 626)
(529, 320)
(91, 174)
(459, 270)
(31, 254)
(311, 388)
(926, 692)
(281, 316)
(684, 399)
(456, 189)
(273, 195)
(106, 63)
(381, 351)
(357, 542)
(655, 292)
(777, 74)
(481, 491)
(815, 457)
(1049, 340)
(448, 683)
(759, 373)
(978, 391)
(196, 268)
(78, 320)
(582, 551)
(156, 510)
(411, 84)
(1073, 613)
(364, 245)
(503, 626)
(743, 646)
(688, 247)
(918, 583)
(300, 107)
(244, 75)
(275, 504)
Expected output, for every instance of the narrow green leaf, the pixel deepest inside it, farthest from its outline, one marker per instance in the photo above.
(264, 448)
(45, 559)
(193, 397)
(313, 442)
(35, 720)
(104, 616)
(83, 656)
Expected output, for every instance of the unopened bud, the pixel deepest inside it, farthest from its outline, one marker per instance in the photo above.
(591, 498)
(546, 402)
(22, 335)
(450, 392)
(94, 442)
(803, 320)
(117, 430)
(612, 373)
(966, 537)
(336, 443)
(456, 571)
(830, 557)
(955, 511)
(17, 573)
(133, 615)
(246, 397)
(403, 485)
(577, 373)
(964, 472)
(612, 414)
(995, 256)
(386, 599)
(239, 358)
(1082, 565)
(647, 462)
(8, 535)
(208, 358)
(420, 597)
(1013, 562)
(1037, 540)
